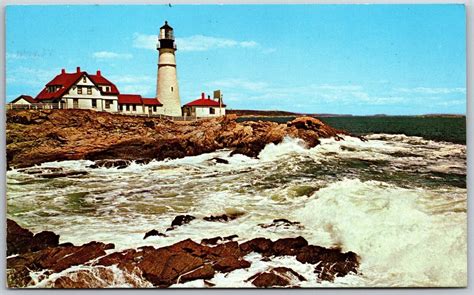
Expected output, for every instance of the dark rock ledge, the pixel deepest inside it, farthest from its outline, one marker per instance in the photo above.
(179, 263)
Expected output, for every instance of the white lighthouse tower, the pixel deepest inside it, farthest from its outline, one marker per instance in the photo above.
(167, 90)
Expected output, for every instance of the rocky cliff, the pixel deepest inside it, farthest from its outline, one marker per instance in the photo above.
(37, 136)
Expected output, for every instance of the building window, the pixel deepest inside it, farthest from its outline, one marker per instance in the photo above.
(134, 108)
(171, 88)
(212, 111)
(107, 104)
(75, 103)
(154, 108)
(84, 79)
(128, 107)
(89, 90)
(79, 90)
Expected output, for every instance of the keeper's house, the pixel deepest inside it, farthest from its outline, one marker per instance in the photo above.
(81, 90)
(205, 107)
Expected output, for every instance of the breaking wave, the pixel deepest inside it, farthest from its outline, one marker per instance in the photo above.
(398, 201)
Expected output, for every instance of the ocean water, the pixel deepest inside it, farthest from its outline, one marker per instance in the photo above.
(398, 201)
(452, 129)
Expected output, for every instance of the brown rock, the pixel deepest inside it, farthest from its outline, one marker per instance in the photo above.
(44, 240)
(211, 241)
(276, 277)
(205, 272)
(37, 136)
(55, 259)
(259, 245)
(331, 263)
(162, 267)
(230, 263)
(269, 279)
(182, 219)
(288, 246)
(154, 232)
(18, 238)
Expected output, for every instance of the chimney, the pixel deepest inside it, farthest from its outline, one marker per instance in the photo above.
(208, 97)
(203, 95)
(98, 73)
(78, 69)
(63, 71)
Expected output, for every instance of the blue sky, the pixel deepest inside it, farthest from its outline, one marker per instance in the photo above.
(346, 59)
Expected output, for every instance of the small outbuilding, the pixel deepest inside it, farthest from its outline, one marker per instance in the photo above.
(205, 107)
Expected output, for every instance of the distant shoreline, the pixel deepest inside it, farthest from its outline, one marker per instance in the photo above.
(276, 113)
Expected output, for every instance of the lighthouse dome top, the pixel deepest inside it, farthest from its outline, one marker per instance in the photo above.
(166, 31)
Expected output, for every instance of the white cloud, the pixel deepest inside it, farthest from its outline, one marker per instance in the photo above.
(193, 43)
(432, 90)
(111, 55)
(21, 55)
(450, 103)
(259, 92)
(204, 43)
(145, 41)
(29, 76)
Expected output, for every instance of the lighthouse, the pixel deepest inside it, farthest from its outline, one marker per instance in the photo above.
(167, 91)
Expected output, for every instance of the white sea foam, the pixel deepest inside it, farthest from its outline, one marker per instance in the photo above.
(410, 236)
(400, 242)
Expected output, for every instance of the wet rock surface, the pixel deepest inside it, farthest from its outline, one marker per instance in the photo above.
(181, 220)
(282, 222)
(20, 240)
(154, 232)
(38, 136)
(276, 277)
(162, 267)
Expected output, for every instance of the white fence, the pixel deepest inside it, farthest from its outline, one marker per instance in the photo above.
(34, 106)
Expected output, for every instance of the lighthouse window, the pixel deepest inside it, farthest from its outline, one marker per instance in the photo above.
(171, 89)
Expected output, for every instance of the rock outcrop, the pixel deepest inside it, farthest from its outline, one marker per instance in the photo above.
(276, 277)
(21, 240)
(162, 267)
(37, 136)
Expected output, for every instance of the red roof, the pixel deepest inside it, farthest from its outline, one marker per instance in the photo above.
(101, 80)
(138, 99)
(66, 80)
(151, 102)
(129, 99)
(204, 103)
(25, 97)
